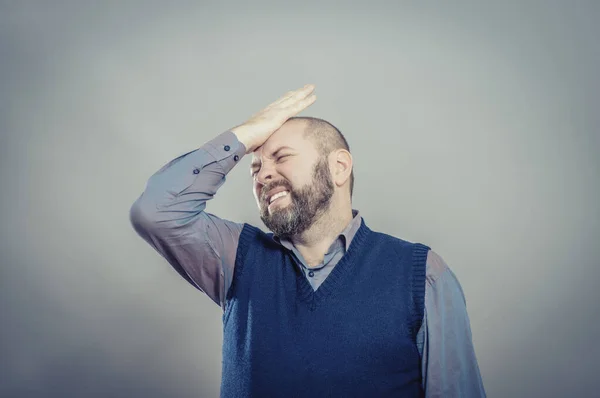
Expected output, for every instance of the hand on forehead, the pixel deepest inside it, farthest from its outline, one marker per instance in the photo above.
(289, 135)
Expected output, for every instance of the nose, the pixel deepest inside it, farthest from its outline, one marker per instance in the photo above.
(265, 174)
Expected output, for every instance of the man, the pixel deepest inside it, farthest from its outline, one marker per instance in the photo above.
(322, 306)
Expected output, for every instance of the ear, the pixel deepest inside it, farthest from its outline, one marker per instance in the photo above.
(341, 166)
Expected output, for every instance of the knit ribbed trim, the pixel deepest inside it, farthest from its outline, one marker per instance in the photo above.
(418, 272)
(347, 263)
(247, 235)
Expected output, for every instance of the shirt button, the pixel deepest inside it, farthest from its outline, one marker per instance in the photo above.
(311, 273)
(236, 158)
(227, 147)
(196, 171)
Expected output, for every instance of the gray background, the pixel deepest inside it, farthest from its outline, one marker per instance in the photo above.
(474, 129)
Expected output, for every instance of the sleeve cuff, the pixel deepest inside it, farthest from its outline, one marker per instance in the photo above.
(226, 150)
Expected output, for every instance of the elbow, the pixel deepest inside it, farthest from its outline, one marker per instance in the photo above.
(143, 216)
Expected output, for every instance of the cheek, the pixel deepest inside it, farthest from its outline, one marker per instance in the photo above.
(295, 174)
(300, 180)
(255, 191)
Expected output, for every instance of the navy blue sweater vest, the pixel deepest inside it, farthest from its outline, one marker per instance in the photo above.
(352, 337)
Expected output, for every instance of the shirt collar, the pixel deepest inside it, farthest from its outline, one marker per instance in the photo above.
(346, 235)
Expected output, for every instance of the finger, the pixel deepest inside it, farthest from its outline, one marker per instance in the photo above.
(301, 105)
(285, 96)
(306, 89)
(278, 101)
(298, 95)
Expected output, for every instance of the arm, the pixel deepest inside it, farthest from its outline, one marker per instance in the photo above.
(449, 364)
(170, 215)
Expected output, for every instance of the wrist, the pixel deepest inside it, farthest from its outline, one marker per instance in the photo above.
(242, 133)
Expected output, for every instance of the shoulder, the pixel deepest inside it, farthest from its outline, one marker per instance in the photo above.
(420, 253)
(391, 241)
(436, 267)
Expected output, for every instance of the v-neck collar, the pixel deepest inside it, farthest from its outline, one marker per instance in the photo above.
(307, 294)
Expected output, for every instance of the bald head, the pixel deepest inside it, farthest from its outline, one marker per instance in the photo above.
(325, 137)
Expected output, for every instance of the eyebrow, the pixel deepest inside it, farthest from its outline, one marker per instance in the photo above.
(256, 163)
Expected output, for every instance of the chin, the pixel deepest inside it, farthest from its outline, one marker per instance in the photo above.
(276, 209)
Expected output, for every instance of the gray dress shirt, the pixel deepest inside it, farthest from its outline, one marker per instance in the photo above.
(170, 215)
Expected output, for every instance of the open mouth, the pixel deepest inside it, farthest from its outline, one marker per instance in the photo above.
(278, 197)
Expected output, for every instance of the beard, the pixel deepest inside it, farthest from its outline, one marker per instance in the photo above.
(306, 205)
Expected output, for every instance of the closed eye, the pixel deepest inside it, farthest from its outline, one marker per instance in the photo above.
(278, 159)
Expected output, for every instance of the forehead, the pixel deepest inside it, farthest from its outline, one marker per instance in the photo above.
(289, 137)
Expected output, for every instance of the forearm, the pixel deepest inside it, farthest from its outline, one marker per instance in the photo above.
(243, 134)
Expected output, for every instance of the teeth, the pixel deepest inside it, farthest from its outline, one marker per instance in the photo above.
(278, 195)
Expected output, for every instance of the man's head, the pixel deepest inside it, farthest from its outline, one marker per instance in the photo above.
(307, 161)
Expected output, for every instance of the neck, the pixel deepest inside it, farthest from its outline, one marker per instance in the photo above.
(316, 240)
